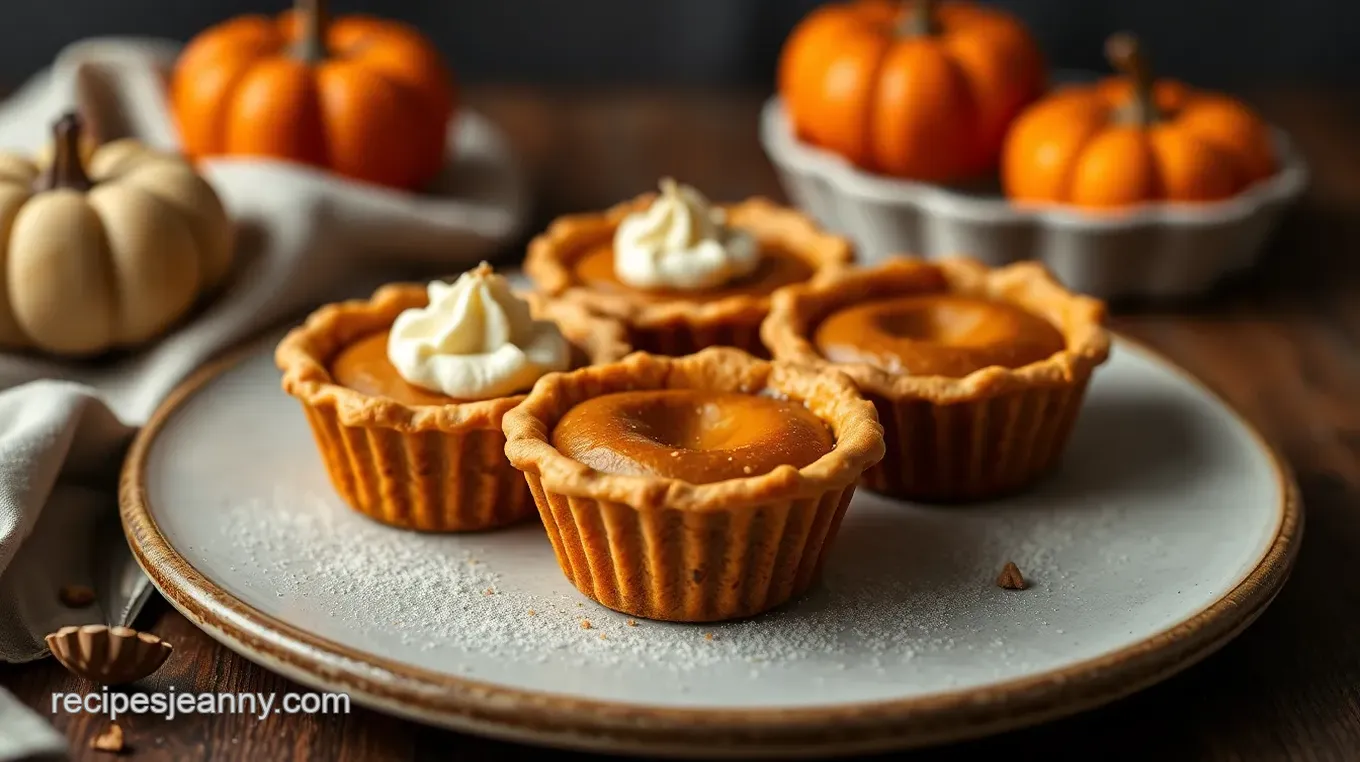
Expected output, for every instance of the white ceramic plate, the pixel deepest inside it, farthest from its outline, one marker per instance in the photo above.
(1169, 528)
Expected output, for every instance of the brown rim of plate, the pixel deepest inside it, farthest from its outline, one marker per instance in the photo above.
(563, 721)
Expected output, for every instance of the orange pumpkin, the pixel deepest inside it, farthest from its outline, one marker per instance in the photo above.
(366, 98)
(922, 90)
(1132, 139)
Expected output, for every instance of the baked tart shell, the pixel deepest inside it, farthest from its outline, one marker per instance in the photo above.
(990, 433)
(432, 468)
(664, 549)
(679, 326)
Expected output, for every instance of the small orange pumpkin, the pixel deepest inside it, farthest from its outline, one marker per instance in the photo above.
(922, 90)
(366, 98)
(1132, 139)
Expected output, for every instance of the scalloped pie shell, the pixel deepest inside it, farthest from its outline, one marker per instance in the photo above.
(987, 434)
(679, 326)
(666, 549)
(433, 468)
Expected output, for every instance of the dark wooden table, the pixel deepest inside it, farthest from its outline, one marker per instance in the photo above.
(1282, 344)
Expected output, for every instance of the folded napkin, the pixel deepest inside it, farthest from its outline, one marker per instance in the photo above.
(304, 237)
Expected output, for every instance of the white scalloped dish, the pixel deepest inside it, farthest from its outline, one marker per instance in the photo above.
(1156, 251)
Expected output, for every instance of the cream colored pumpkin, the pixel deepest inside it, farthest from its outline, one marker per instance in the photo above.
(107, 251)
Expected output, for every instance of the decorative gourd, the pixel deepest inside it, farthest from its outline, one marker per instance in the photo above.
(106, 257)
(1132, 139)
(365, 98)
(923, 90)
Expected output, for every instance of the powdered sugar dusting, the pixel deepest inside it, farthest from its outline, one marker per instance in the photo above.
(896, 592)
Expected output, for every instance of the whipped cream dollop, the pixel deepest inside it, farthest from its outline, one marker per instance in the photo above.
(475, 340)
(681, 242)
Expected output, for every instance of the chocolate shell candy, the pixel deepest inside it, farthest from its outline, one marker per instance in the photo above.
(108, 655)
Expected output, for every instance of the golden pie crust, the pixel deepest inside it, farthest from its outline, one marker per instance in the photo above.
(661, 548)
(679, 326)
(989, 433)
(434, 468)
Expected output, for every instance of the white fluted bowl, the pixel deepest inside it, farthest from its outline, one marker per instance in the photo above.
(1156, 251)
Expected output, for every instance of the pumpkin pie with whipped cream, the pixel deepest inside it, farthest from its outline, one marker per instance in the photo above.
(978, 374)
(405, 392)
(697, 488)
(680, 272)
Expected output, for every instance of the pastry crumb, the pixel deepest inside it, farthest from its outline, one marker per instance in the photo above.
(708, 636)
(603, 636)
(1011, 578)
(76, 596)
(110, 740)
(532, 612)
(490, 591)
(585, 624)
(632, 623)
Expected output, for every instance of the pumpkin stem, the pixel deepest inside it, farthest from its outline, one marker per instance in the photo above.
(1126, 55)
(66, 170)
(919, 20)
(311, 47)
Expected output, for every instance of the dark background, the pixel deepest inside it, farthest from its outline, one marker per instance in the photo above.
(734, 43)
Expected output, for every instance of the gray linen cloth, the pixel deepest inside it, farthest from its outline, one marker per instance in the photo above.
(303, 238)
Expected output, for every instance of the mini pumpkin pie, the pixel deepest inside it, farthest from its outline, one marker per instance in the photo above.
(682, 274)
(405, 392)
(978, 374)
(697, 488)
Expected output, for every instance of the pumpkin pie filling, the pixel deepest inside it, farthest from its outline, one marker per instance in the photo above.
(937, 335)
(777, 268)
(695, 436)
(363, 366)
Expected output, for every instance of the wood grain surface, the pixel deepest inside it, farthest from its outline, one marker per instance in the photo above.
(1282, 343)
